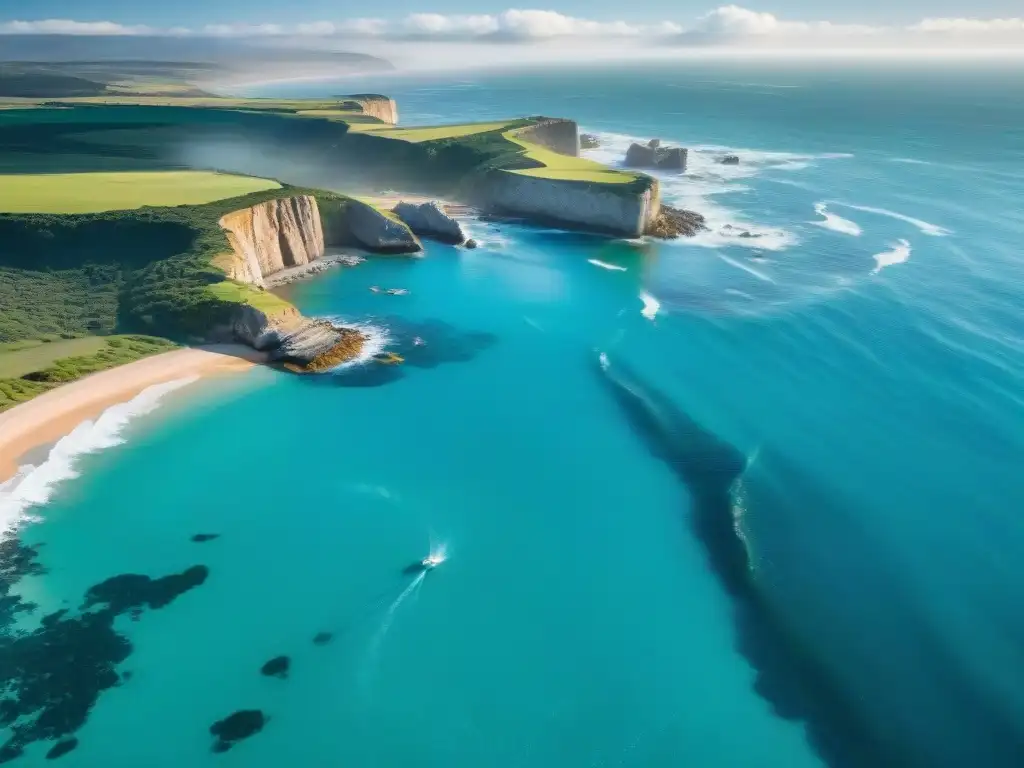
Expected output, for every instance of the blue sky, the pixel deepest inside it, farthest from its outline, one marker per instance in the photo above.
(199, 12)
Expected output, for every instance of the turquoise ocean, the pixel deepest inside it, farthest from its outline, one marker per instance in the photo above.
(778, 523)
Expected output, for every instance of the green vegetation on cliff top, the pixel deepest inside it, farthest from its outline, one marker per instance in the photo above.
(97, 192)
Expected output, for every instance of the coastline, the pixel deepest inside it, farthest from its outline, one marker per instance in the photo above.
(54, 414)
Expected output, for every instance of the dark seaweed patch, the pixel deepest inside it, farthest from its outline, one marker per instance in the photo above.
(52, 676)
(199, 538)
(235, 727)
(61, 748)
(277, 667)
(322, 638)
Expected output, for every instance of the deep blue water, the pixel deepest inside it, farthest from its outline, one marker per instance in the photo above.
(864, 379)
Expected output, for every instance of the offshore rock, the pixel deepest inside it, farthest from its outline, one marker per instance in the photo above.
(277, 667)
(673, 222)
(303, 344)
(379, 232)
(471, 244)
(655, 156)
(639, 156)
(729, 160)
(235, 727)
(589, 141)
(430, 220)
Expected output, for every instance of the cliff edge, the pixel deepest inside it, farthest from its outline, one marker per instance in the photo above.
(272, 236)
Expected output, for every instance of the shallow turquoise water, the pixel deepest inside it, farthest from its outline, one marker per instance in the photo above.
(582, 617)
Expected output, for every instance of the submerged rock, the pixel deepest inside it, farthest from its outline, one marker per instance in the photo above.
(388, 358)
(61, 748)
(380, 231)
(430, 220)
(729, 160)
(322, 638)
(589, 141)
(471, 243)
(235, 727)
(277, 667)
(673, 222)
(199, 538)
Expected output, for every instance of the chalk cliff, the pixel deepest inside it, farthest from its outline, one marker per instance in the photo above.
(378, 106)
(272, 236)
(622, 210)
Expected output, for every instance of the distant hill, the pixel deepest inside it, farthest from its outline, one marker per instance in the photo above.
(144, 50)
(44, 86)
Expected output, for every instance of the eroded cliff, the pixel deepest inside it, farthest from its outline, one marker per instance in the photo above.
(378, 106)
(272, 236)
(616, 209)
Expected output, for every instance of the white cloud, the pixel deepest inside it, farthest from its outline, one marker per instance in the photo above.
(969, 26)
(726, 26)
(69, 27)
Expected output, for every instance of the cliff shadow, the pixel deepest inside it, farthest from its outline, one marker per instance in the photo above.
(788, 675)
(422, 344)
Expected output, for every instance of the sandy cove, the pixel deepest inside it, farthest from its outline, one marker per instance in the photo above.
(54, 414)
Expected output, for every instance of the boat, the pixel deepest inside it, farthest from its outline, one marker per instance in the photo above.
(431, 561)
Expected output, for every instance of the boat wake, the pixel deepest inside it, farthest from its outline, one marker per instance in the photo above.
(651, 305)
(606, 265)
(34, 485)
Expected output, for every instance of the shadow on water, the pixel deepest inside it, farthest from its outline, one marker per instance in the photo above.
(796, 686)
(878, 687)
(440, 343)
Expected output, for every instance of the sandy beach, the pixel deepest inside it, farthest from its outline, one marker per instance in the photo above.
(47, 418)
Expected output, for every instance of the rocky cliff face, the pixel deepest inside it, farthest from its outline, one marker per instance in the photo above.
(430, 220)
(272, 236)
(602, 208)
(554, 133)
(377, 106)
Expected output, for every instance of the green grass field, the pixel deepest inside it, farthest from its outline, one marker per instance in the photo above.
(99, 192)
(557, 166)
(19, 358)
(426, 133)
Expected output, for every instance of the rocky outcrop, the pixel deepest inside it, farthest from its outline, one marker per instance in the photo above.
(299, 342)
(554, 133)
(379, 231)
(653, 155)
(589, 141)
(376, 105)
(729, 160)
(430, 220)
(672, 222)
(272, 236)
(624, 210)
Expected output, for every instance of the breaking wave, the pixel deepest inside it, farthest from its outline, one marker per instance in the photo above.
(834, 222)
(898, 254)
(33, 485)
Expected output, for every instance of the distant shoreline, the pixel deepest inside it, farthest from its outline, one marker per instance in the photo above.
(54, 414)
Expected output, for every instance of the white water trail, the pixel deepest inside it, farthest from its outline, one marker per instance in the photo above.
(899, 253)
(606, 265)
(934, 230)
(373, 651)
(745, 268)
(34, 485)
(835, 222)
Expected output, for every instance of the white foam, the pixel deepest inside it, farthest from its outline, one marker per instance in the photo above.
(707, 178)
(651, 305)
(603, 360)
(35, 485)
(909, 161)
(834, 222)
(929, 229)
(606, 265)
(899, 253)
